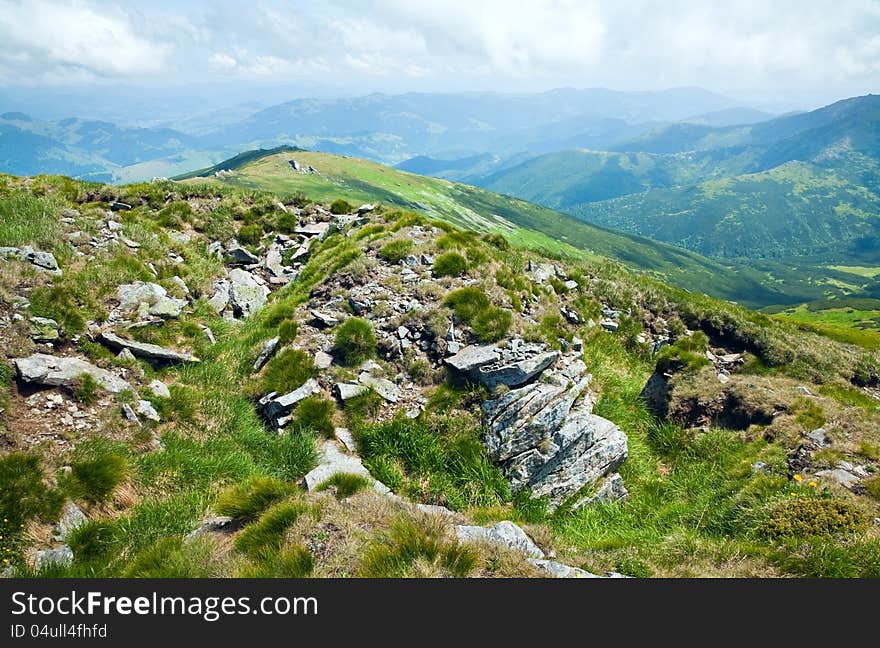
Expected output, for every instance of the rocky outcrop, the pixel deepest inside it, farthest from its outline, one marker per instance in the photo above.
(512, 366)
(150, 352)
(42, 261)
(545, 436)
(504, 534)
(247, 294)
(57, 371)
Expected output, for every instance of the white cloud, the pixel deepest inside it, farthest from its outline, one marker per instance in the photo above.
(746, 46)
(52, 40)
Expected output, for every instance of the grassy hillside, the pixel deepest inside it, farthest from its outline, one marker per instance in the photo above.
(735, 494)
(359, 181)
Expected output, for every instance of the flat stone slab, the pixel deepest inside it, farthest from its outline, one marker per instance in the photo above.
(277, 407)
(54, 371)
(382, 386)
(517, 372)
(349, 390)
(147, 351)
(504, 534)
(472, 357)
(332, 461)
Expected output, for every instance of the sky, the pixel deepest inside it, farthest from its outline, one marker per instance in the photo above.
(777, 53)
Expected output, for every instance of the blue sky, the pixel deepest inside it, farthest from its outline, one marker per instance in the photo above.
(806, 52)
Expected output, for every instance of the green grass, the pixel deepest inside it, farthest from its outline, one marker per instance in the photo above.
(396, 251)
(354, 341)
(450, 264)
(410, 545)
(287, 371)
(521, 223)
(249, 499)
(489, 323)
(314, 414)
(345, 484)
(97, 469)
(26, 219)
(269, 532)
(441, 456)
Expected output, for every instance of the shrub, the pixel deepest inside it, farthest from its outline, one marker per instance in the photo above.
(247, 500)
(450, 264)
(467, 302)
(802, 517)
(417, 548)
(287, 223)
(250, 234)
(396, 251)
(340, 206)
(91, 541)
(288, 370)
(98, 472)
(86, 390)
(497, 241)
(270, 531)
(354, 341)
(492, 324)
(346, 484)
(473, 307)
(287, 331)
(23, 495)
(363, 406)
(315, 414)
(688, 353)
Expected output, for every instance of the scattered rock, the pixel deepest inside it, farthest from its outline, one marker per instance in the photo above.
(504, 534)
(277, 408)
(130, 414)
(145, 408)
(819, 437)
(382, 386)
(558, 570)
(43, 329)
(843, 477)
(59, 557)
(246, 294)
(150, 352)
(348, 390)
(238, 255)
(323, 360)
(268, 350)
(159, 389)
(346, 437)
(221, 523)
(126, 356)
(71, 518)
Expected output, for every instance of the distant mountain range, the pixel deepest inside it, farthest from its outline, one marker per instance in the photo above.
(805, 185)
(491, 130)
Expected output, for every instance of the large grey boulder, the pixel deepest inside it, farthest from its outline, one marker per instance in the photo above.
(220, 299)
(43, 261)
(504, 534)
(56, 371)
(349, 390)
(544, 435)
(150, 352)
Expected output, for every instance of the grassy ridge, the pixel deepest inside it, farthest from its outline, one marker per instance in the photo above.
(471, 207)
